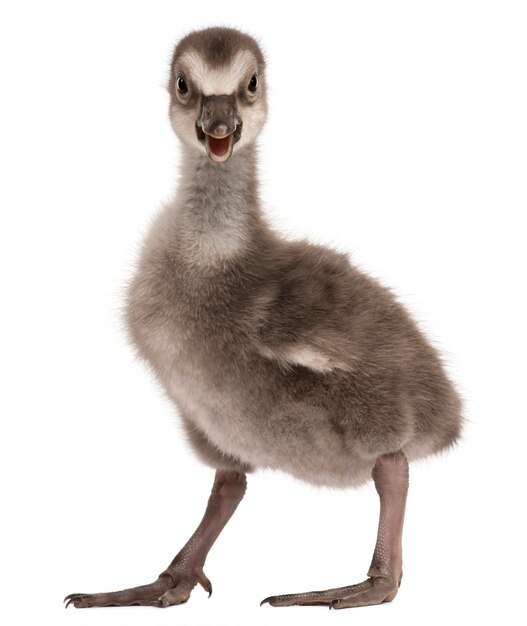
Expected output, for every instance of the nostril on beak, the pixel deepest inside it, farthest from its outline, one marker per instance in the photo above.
(219, 129)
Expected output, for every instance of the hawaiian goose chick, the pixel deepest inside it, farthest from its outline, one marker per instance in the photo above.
(277, 354)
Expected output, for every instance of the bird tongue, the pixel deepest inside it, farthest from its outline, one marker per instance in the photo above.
(217, 146)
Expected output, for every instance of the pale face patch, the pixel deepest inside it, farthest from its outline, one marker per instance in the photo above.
(220, 80)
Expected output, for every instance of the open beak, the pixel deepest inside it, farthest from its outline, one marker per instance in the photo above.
(218, 127)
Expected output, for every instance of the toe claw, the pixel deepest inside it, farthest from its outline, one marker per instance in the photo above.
(73, 597)
(205, 583)
(271, 601)
(70, 596)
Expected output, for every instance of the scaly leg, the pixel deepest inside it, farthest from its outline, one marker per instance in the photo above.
(390, 475)
(175, 584)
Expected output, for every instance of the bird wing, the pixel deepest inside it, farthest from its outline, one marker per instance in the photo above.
(306, 312)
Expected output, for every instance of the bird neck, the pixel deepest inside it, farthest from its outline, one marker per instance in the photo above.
(218, 207)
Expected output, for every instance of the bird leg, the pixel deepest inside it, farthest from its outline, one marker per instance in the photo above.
(390, 475)
(175, 584)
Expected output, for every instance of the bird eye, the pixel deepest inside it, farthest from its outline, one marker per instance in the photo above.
(182, 86)
(253, 83)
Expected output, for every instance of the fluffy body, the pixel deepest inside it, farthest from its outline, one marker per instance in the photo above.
(279, 354)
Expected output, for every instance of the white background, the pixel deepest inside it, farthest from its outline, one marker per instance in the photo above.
(397, 132)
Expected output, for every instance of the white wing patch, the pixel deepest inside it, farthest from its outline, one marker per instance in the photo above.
(308, 357)
(305, 355)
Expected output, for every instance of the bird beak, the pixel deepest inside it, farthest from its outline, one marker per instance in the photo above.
(218, 127)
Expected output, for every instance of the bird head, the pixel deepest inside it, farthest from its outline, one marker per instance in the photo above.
(217, 91)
